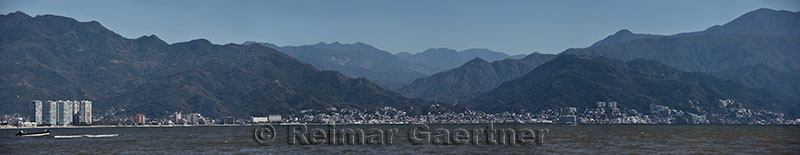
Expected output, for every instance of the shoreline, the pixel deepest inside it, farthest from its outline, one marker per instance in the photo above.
(122, 126)
(317, 124)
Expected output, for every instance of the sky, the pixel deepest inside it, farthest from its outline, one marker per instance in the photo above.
(513, 27)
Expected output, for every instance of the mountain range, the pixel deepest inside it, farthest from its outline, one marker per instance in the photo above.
(360, 60)
(385, 69)
(721, 51)
(751, 60)
(763, 77)
(51, 57)
(445, 58)
(623, 36)
(472, 78)
(762, 37)
(581, 81)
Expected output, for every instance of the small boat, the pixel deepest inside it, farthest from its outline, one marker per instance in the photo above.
(34, 134)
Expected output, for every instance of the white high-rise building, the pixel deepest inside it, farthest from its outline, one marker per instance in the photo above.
(46, 112)
(64, 110)
(178, 117)
(84, 112)
(75, 111)
(37, 111)
(612, 104)
(194, 118)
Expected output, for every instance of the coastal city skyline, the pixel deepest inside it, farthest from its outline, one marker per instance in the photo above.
(56, 112)
(399, 77)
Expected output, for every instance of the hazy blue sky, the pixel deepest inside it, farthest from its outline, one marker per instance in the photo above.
(402, 26)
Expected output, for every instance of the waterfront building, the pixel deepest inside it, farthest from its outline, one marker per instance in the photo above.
(178, 118)
(64, 112)
(274, 118)
(260, 119)
(269, 118)
(572, 110)
(85, 112)
(194, 118)
(37, 111)
(140, 118)
(45, 112)
(75, 111)
(228, 120)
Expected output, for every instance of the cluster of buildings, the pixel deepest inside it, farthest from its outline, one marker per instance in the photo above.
(605, 112)
(177, 118)
(68, 112)
(191, 118)
(268, 119)
(391, 115)
(62, 112)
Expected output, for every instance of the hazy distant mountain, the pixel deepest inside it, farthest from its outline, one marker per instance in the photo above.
(518, 56)
(764, 77)
(580, 81)
(358, 60)
(445, 58)
(623, 36)
(270, 45)
(762, 21)
(759, 37)
(472, 78)
(51, 57)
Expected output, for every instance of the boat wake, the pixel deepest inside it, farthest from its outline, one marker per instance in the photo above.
(85, 135)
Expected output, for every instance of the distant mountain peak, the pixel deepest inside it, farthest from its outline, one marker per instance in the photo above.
(623, 32)
(363, 45)
(200, 41)
(446, 58)
(358, 46)
(196, 43)
(18, 14)
(439, 50)
(765, 11)
(337, 43)
(151, 38)
(475, 76)
(623, 36)
(763, 21)
(249, 42)
(478, 49)
(270, 45)
(476, 60)
(55, 18)
(324, 44)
